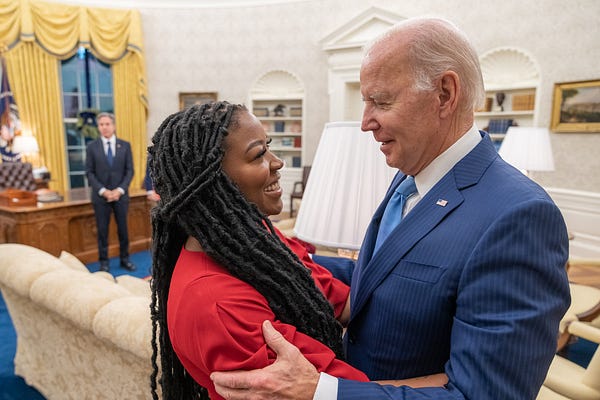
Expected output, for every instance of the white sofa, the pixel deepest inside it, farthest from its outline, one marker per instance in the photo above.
(80, 335)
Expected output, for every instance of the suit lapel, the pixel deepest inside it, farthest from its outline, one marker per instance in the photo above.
(101, 153)
(441, 200)
(416, 224)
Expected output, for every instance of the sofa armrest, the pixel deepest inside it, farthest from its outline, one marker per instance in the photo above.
(126, 323)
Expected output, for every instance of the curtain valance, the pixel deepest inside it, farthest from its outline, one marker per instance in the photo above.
(60, 29)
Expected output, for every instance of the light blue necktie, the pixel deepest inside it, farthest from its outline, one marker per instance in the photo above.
(109, 154)
(393, 211)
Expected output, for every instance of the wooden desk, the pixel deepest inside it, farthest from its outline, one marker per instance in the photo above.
(70, 225)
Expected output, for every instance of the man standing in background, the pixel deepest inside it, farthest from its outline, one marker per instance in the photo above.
(109, 169)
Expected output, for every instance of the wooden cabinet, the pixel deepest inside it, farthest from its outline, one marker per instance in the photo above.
(70, 225)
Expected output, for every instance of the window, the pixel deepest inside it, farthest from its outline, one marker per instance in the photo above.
(87, 90)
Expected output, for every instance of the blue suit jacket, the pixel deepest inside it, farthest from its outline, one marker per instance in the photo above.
(472, 283)
(100, 174)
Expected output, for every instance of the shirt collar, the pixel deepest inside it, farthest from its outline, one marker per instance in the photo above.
(112, 140)
(443, 163)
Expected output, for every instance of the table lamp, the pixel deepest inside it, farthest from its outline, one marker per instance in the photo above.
(27, 146)
(528, 149)
(348, 179)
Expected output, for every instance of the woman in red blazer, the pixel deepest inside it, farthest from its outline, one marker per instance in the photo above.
(220, 268)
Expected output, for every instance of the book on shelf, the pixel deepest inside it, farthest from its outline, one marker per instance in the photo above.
(523, 102)
(295, 111)
(499, 125)
(261, 111)
(279, 126)
(296, 127)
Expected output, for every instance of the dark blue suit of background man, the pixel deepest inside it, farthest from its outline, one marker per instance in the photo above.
(109, 169)
(471, 282)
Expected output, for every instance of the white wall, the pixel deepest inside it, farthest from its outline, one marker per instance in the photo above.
(227, 49)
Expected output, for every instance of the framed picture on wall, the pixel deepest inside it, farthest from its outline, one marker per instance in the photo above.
(191, 98)
(576, 107)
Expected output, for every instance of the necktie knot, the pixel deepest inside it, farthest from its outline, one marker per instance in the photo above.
(393, 211)
(407, 187)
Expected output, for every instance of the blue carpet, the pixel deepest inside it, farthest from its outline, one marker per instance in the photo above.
(13, 387)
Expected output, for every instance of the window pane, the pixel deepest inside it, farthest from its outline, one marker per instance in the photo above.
(69, 80)
(93, 78)
(76, 160)
(77, 181)
(104, 79)
(71, 105)
(77, 80)
(106, 104)
(74, 137)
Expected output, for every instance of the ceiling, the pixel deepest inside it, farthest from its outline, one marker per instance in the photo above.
(173, 3)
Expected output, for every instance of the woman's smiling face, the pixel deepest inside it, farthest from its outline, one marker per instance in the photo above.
(252, 166)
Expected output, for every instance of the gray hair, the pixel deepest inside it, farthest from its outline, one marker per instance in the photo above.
(106, 114)
(437, 46)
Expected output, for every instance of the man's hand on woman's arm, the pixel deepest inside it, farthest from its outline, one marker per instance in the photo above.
(291, 376)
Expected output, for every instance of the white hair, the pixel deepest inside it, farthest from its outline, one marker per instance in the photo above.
(436, 46)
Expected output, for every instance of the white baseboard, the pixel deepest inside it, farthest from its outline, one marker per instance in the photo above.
(581, 211)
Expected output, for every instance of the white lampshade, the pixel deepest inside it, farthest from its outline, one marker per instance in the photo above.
(347, 181)
(527, 148)
(25, 145)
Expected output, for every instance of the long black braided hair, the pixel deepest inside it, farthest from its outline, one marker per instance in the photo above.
(198, 199)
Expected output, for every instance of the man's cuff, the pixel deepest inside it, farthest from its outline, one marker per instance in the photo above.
(101, 191)
(327, 387)
(121, 190)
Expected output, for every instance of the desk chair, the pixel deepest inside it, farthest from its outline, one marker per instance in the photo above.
(298, 190)
(17, 175)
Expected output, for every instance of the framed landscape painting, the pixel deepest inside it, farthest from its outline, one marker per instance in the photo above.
(189, 99)
(576, 107)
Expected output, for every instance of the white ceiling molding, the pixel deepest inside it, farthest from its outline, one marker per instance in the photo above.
(173, 4)
(360, 29)
(509, 67)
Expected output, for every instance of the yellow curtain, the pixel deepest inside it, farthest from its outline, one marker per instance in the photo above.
(131, 125)
(30, 28)
(41, 113)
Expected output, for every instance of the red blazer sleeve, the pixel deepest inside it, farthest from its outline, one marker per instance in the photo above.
(334, 290)
(219, 328)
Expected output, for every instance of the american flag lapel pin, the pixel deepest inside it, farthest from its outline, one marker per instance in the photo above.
(442, 202)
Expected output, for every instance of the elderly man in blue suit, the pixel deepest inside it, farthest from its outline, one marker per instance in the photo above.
(470, 282)
(109, 169)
